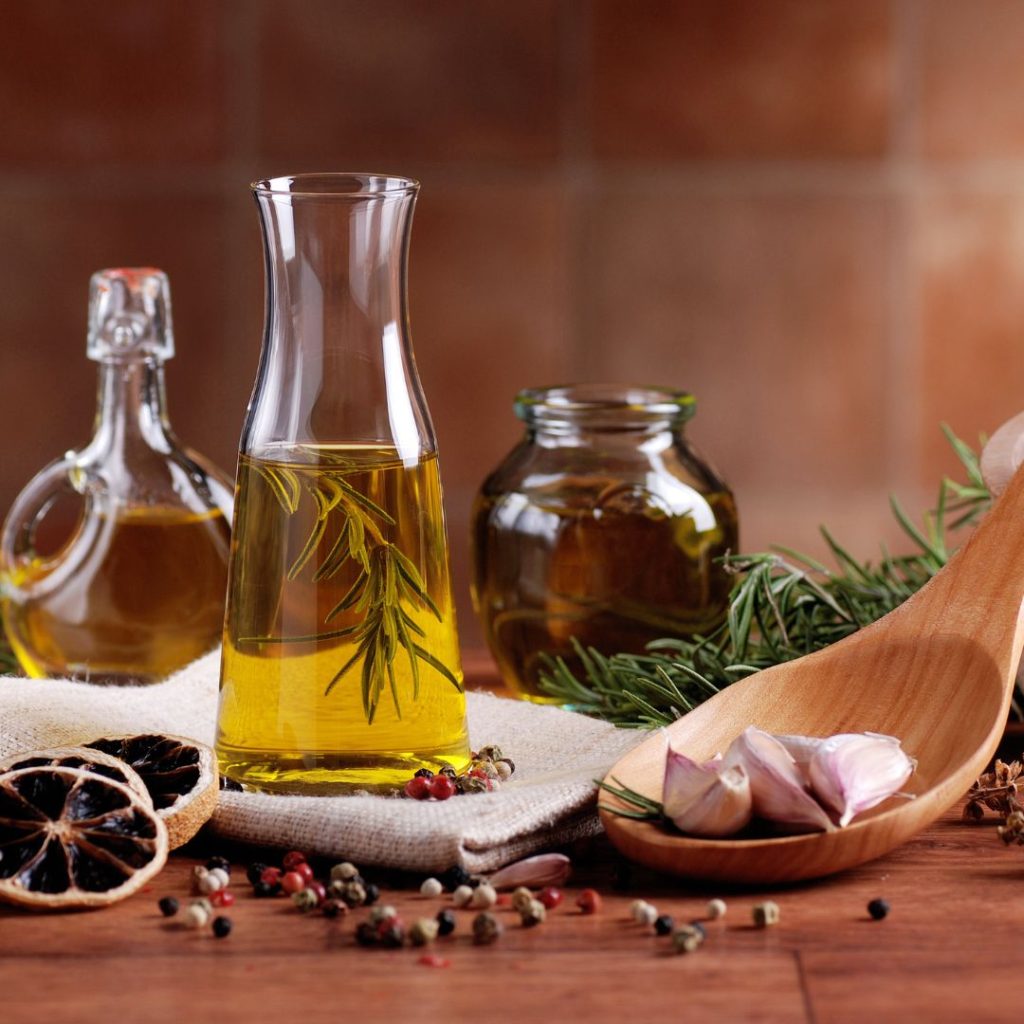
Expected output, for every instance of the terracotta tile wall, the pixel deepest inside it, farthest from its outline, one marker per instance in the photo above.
(810, 212)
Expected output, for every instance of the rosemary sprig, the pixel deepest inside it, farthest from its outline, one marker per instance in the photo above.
(782, 606)
(386, 586)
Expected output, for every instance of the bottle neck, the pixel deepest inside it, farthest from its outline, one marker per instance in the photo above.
(131, 408)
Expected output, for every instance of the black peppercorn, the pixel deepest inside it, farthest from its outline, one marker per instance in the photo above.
(454, 877)
(222, 927)
(878, 909)
(219, 862)
(372, 894)
(663, 925)
(366, 934)
(423, 773)
(264, 889)
(254, 871)
(168, 906)
(230, 785)
(391, 936)
(445, 922)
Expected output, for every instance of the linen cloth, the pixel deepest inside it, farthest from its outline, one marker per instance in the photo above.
(549, 801)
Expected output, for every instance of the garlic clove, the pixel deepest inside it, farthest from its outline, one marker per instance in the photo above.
(853, 772)
(776, 782)
(533, 872)
(709, 799)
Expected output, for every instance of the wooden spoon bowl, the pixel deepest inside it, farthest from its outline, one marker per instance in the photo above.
(938, 672)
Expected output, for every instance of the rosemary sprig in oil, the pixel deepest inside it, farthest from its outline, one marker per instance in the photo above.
(386, 587)
(782, 606)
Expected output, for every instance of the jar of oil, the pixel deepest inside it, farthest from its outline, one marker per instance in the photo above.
(340, 659)
(602, 528)
(113, 560)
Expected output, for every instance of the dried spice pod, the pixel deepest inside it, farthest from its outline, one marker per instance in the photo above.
(86, 758)
(180, 774)
(70, 838)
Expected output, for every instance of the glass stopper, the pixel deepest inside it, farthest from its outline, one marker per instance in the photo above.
(130, 314)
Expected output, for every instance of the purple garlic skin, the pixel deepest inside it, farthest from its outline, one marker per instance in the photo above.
(711, 799)
(533, 872)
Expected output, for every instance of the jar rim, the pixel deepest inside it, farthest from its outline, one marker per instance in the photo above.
(336, 185)
(617, 405)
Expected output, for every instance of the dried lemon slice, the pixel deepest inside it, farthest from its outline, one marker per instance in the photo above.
(94, 761)
(180, 774)
(71, 838)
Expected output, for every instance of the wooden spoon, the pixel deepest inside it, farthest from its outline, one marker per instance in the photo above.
(938, 672)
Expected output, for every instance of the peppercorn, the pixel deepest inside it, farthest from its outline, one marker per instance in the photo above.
(222, 927)
(168, 906)
(292, 882)
(423, 932)
(462, 896)
(254, 871)
(664, 924)
(492, 752)
(353, 894)
(589, 901)
(317, 888)
(305, 871)
(534, 913)
(344, 871)
(521, 899)
(441, 787)
(484, 770)
(366, 934)
(700, 928)
(292, 860)
(505, 763)
(372, 894)
(233, 785)
(418, 788)
(503, 769)
(221, 876)
(433, 960)
(550, 897)
(219, 862)
(473, 784)
(223, 898)
(686, 939)
(380, 914)
(448, 771)
(637, 909)
(423, 773)
(305, 899)
(716, 909)
(486, 929)
(261, 890)
(431, 887)
(196, 916)
(453, 877)
(484, 896)
(271, 875)
(391, 934)
(878, 909)
(445, 922)
(208, 882)
(333, 908)
(766, 914)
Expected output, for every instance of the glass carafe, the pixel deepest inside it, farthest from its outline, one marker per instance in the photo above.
(114, 558)
(602, 527)
(340, 662)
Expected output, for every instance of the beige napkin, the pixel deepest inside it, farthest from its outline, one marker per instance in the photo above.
(550, 800)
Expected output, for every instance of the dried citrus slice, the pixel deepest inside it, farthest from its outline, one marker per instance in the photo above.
(94, 761)
(180, 774)
(71, 838)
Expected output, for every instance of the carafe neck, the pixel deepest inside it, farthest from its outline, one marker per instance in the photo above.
(131, 408)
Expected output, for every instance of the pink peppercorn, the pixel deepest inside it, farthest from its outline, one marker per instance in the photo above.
(318, 888)
(272, 876)
(589, 901)
(418, 788)
(433, 960)
(550, 897)
(222, 898)
(305, 870)
(440, 787)
(292, 860)
(292, 882)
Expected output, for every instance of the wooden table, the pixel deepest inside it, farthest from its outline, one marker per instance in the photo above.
(949, 951)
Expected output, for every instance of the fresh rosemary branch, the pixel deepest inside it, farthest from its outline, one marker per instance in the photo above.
(387, 584)
(782, 606)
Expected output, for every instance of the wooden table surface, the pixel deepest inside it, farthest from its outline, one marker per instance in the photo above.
(949, 951)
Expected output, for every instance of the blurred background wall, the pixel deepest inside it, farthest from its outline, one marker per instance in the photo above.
(809, 212)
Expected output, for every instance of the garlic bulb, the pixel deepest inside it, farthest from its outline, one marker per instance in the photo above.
(711, 799)
(776, 783)
(853, 772)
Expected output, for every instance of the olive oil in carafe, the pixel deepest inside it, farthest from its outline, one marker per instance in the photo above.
(340, 664)
(133, 595)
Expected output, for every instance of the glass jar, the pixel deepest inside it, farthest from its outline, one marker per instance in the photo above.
(602, 526)
(340, 660)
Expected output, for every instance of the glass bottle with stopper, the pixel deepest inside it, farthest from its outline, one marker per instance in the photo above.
(114, 557)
